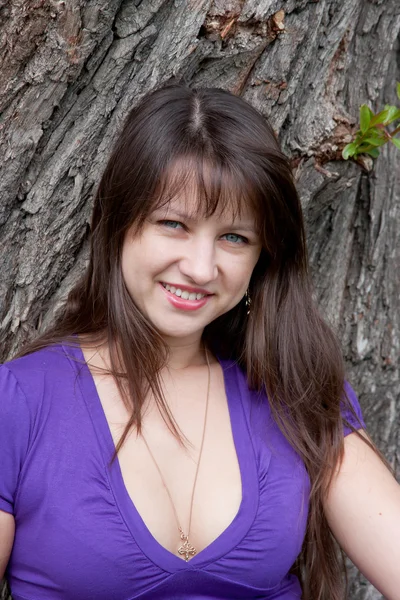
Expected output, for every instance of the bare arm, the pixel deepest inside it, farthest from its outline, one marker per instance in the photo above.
(363, 511)
(7, 529)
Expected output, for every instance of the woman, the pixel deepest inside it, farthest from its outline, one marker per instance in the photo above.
(184, 430)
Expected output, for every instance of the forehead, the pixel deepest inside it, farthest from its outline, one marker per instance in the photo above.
(203, 189)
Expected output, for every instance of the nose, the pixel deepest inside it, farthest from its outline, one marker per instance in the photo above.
(199, 263)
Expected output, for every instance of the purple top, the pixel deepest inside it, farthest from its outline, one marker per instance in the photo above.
(78, 534)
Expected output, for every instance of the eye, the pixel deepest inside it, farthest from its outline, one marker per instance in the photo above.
(171, 224)
(235, 238)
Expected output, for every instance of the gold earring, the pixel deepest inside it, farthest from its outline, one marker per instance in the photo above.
(247, 301)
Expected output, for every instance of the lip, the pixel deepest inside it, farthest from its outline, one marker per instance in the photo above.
(180, 303)
(186, 288)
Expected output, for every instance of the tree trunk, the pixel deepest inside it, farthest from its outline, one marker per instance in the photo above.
(69, 73)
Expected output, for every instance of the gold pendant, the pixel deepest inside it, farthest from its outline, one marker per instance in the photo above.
(186, 549)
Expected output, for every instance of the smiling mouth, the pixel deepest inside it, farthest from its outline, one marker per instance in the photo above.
(184, 294)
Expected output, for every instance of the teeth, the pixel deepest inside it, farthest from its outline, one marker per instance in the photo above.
(183, 293)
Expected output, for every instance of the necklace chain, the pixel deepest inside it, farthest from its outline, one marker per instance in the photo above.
(186, 549)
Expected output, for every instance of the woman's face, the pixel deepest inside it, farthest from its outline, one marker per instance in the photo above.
(184, 271)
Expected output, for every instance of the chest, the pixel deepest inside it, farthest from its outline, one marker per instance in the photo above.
(80, 510)
(160, 476)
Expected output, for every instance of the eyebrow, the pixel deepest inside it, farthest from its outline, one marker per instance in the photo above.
(243, 225)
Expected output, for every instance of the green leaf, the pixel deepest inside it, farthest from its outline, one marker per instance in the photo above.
(374, 152)
(380, 117)
(398, 90)
(396, 142)
(364, 148)
(394, 115)
(392, 111)
(375, 133)
(358, 137)
(349, 150)
(373, 141)
(365, 117)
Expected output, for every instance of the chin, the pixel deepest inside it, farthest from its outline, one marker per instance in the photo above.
(180, 334)
(178, 330)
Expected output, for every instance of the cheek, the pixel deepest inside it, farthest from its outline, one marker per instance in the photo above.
(142, 261)
(254, 261)
(242, 269)
(239, 281)
(128, 261)
(133, 266)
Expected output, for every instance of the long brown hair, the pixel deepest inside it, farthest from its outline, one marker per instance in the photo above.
(283, 345)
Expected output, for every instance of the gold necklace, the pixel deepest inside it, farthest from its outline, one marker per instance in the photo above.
(186, 549)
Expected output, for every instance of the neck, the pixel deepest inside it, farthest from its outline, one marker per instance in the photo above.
(186, 354)
(182, 354)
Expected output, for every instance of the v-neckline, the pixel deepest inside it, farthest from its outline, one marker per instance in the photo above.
(235, 388)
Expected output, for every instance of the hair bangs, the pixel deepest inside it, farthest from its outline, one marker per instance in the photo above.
(208, 187)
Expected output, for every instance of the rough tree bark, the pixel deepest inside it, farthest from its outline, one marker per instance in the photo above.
(70, 71)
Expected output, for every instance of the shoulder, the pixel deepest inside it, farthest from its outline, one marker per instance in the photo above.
(32, 378)
(351, 412)
(37, 390)
(266, 437)
(45, 359)
(257, 405)
(49, 361)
